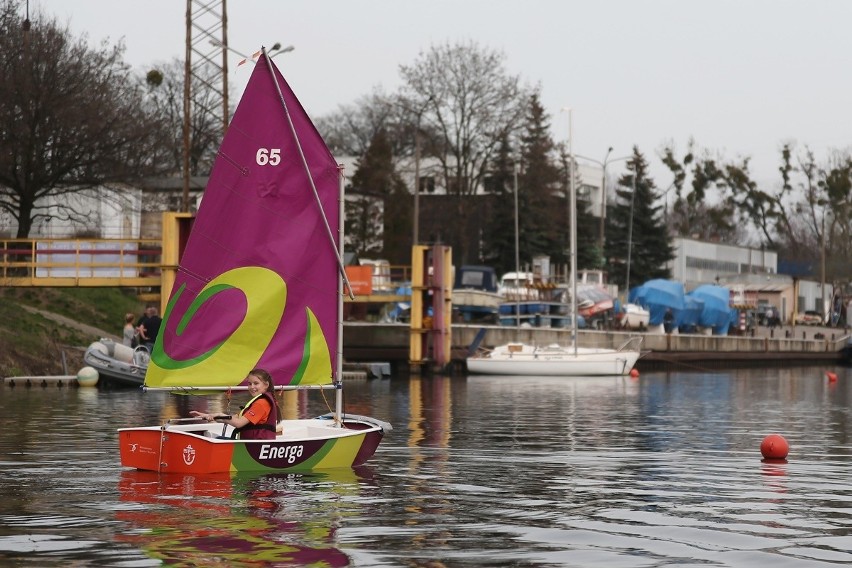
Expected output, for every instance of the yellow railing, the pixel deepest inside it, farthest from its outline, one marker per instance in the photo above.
(133, 263)
(80, 262)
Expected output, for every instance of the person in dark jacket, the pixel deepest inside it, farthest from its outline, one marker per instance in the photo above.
(668, 321)
(148, 327)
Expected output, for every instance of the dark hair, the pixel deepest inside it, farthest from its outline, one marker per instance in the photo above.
(264, 376)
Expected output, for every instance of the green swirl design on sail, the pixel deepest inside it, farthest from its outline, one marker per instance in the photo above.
(315, 368)
(227, 363)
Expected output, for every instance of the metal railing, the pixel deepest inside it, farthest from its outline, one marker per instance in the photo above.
(90, 262)
(80, 262)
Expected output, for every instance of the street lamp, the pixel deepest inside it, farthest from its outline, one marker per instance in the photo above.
(416, 220)
(825, 316)
(603, 164)
(630, 237)
(276, 49)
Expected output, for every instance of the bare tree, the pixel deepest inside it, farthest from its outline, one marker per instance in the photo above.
(164, 99)
(820, 225)
(71, 117)
(702, 206)
(352, 128)
(464, 95)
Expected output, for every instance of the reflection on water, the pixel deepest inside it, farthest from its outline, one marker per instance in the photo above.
(664, 469)
(224, 520)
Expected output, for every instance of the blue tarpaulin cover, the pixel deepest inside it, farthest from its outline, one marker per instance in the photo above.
(692, 308)
(658, 296)
(717, 310)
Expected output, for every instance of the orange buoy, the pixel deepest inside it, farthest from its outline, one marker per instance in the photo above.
(774, 447)
(634, 373)
(832, 377)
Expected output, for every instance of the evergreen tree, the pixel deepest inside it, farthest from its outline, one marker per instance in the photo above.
(589, 254)
(541, 224)
(635, 219)
(377, 192)
(498, 247)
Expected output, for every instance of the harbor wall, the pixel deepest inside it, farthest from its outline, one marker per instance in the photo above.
(389, 342)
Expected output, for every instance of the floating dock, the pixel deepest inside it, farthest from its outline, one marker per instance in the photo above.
(43, 381)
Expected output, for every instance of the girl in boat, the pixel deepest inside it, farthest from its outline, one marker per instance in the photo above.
(259, 417)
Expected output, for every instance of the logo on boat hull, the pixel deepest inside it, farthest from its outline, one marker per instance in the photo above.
(188, 455)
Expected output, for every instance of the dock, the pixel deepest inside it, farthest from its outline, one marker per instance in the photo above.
(43, 381)
(367, 341)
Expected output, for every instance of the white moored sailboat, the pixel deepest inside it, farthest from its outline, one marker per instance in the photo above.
(556, 360)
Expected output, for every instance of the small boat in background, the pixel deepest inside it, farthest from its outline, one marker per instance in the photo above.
(475, 296)
(556, 360)
(117, 364)
(518, 358)
(633, 316)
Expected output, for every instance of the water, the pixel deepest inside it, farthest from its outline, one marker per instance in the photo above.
(664, 470)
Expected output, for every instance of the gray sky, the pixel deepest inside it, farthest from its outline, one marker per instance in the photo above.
(741, 77)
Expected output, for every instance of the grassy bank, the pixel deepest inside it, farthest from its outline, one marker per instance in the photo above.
(32, 343)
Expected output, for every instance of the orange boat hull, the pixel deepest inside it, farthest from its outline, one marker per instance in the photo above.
(196, 449)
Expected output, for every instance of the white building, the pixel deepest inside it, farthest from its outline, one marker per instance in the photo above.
(112, 212)
(750, 272)
(699, 262)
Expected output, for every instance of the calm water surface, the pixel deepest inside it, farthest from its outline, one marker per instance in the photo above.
(663, 470)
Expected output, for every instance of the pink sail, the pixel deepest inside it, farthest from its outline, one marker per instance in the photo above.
(258, 284)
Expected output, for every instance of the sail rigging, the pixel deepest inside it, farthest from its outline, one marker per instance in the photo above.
(257, 284)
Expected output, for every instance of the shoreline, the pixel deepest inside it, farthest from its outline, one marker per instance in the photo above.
(769, 347)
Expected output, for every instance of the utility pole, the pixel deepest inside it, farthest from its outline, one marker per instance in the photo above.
(206, 34)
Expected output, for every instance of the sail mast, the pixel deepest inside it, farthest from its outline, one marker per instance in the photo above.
(341, 278)
(573, 221)
(337, 252)
(517, 258)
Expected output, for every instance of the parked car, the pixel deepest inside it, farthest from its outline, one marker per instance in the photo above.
(809, 317)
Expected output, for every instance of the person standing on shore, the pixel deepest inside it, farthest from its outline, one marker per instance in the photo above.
(130, 336)
(148, 327)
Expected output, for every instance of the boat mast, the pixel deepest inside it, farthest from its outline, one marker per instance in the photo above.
(341, 278)
(339, 250)
(517, 257)
(572, 218)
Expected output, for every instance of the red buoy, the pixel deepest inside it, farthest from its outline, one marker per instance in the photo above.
(832, 377)
(634, 373)
(774, 447)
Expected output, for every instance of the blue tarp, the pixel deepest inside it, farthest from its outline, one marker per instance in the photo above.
(717, 311)
(688, 318)
(658, 296)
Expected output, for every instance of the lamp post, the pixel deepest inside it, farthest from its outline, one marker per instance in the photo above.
(822, 269)
(630, 239)
(278, 50)
(273, 51)
(603, 164)
(415, 238)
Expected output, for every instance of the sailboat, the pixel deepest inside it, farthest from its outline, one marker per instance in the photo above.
(260, 285)
(555, 360)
